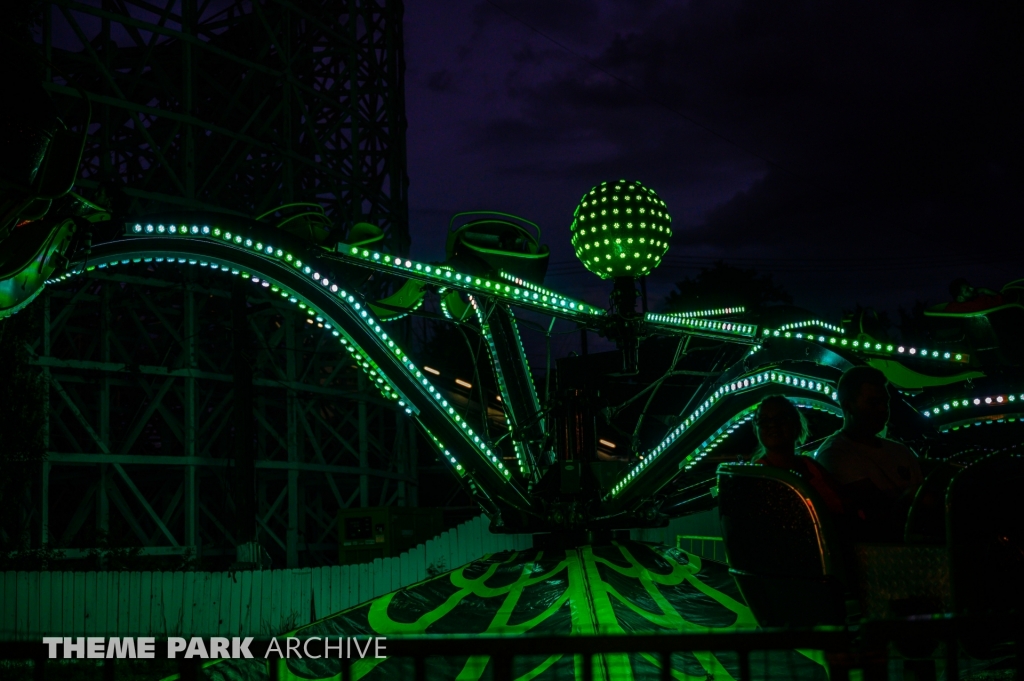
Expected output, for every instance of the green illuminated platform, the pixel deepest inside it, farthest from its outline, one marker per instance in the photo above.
(622, 588)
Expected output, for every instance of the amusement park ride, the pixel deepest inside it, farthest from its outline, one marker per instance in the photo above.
(959, 403)
(962, 380)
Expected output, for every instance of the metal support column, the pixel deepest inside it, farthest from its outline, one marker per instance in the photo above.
(402, 461)
(188, 17)
(245, 459)
(44, 502)
(292, 406)
(102, 493)
(411, 469)
(44, 473)
(190, 493)
(364, 462)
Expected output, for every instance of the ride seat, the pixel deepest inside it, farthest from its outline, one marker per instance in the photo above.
(498, 242)
(985, 535)
(995, 335)
(781, 546)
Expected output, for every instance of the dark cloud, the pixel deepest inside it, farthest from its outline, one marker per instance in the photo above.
(567, 17)
(773, 128)
(845, 106)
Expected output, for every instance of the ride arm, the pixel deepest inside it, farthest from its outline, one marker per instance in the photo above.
(728, 404)
(504, 287)
(518, 394)
(265, 257)
(674, 324)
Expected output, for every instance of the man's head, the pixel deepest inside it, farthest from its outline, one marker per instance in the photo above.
(864, 397)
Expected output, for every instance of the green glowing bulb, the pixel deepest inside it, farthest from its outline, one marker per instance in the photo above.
(615, 255)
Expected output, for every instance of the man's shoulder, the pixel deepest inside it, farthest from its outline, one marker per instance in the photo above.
(838, 456)
(904, 461)
(838, 443)
(834, 452)
(897, 448)
(833, 444)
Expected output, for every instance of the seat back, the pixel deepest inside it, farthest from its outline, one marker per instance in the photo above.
(993, 336)
(926, 520)
(781, 546)
(59, 170)
(498, 242)
(985, 534)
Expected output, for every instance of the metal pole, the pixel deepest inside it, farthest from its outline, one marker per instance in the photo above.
(188, 13)
(102, 498)
(292, 540)
(401, 458)
(106, 135)
(44, 501)
(356, 193)
(411, 470)
(190, 491)
(286, 114)
(364, 461)
(245, 464)
(44, 477)
(292, 406)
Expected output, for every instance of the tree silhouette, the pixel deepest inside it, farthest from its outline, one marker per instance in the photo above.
(724, 285)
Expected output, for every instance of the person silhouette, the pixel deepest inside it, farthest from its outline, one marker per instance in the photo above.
(780, 427)
(877, 477)
(967, 298)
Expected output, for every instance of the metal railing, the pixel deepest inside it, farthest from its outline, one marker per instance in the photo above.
(700, 545)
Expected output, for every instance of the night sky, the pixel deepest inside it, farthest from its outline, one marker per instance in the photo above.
(861, 152)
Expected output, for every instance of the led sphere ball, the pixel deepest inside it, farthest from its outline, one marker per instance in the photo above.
(621, 229)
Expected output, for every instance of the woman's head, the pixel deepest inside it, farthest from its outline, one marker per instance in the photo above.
(779, 425)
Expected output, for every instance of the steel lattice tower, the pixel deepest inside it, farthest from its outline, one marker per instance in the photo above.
(231, 107)
(240, 106)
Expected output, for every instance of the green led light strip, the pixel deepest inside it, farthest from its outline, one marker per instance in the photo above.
(361, 312)
(443, 406)
(449, 458)
(875, 348)
(980, 421)
(702, 324)
(442, 294)
(744, 384)
(1001, 400)
(536, 290)
(799, 325)
(709, 313)
(387, 389)
(524, 295)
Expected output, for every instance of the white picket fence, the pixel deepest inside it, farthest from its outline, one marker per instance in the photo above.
(257, 603)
